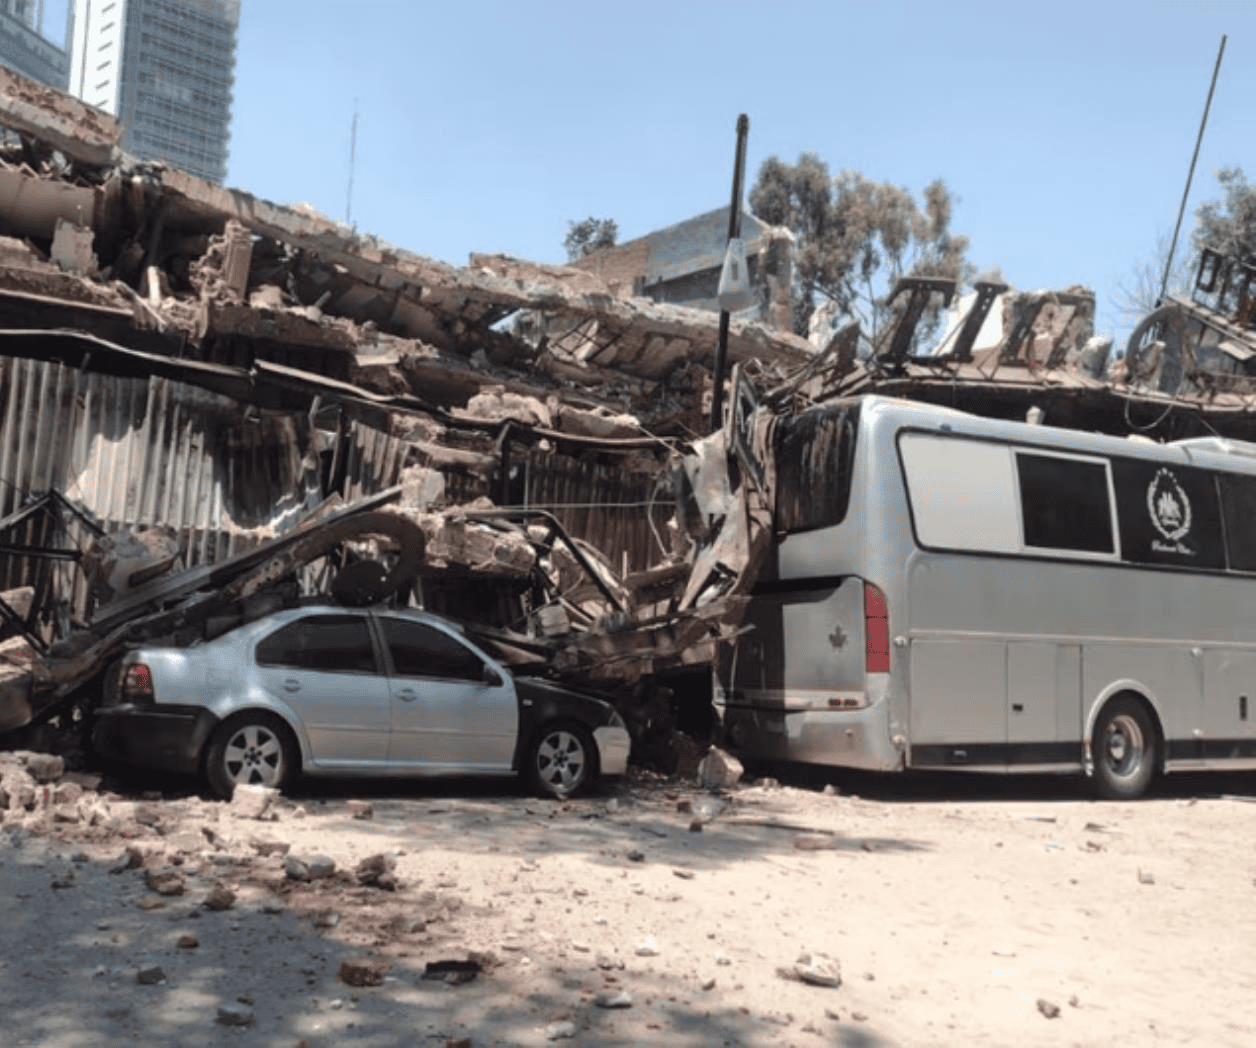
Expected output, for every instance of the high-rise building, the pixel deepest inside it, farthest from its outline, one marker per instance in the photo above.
(24, 48)
(165, 69)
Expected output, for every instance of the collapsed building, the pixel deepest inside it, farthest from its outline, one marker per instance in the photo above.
(211, 405)
(206, 394)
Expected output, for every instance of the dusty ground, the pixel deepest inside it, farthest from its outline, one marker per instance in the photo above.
(962, 912)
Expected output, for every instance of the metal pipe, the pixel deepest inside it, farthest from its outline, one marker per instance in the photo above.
(1168, 262)
(734, 229)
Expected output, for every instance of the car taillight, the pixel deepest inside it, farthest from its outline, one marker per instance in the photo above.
(876, 630)
(137, 684)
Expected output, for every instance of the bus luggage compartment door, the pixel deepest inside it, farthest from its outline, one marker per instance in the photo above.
(958, 702)
(994, 703)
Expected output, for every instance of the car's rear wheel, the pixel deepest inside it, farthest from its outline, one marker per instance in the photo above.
(250, 749)
(561, 761)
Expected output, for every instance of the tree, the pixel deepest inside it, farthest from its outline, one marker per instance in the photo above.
(589, 235)
(1138, 294)
(854, 238)
(1228, 225)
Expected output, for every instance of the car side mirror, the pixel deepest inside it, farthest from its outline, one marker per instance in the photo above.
(491, 677)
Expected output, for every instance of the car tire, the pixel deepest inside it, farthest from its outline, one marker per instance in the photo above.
(250, 749)
(561, 761)
(1124, 747)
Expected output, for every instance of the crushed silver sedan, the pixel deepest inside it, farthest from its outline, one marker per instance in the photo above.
(325, 690)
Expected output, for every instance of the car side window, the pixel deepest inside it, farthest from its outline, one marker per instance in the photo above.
(419, 650)
(331, 643)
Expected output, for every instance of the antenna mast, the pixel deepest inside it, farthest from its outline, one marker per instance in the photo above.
(353, 143)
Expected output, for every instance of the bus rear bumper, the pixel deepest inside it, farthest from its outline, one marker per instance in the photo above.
(844, 738)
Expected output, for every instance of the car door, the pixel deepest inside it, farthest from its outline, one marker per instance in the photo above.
(448, 713)
(324, 667)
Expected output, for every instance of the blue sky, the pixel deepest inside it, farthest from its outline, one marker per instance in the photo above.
(1065, 130)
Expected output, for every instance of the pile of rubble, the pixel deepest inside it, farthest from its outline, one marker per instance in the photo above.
(211, 404)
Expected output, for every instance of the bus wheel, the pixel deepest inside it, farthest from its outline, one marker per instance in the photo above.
(1124, 750)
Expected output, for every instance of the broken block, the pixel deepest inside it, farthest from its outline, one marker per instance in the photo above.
(719, 770)
(72, 248)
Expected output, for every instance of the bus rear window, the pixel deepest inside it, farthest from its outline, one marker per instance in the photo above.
(815, 455)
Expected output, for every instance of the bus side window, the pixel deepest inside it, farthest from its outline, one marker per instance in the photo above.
(1238, 509)
(1064, 503)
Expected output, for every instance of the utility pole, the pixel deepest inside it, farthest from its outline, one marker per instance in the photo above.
(734, 231)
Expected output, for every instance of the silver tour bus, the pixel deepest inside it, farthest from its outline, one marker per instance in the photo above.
(948, 591)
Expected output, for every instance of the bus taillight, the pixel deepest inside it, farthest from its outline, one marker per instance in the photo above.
(876, 630)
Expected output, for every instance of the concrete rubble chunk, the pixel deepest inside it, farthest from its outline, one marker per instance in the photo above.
(66, 793)
(379, 871)
(295, 870)
(818, 969)
(235, 1014)
(72, 248)
(131, 859)
(320, 866)
(44, 767)
(252, 802)
(719, 770)
(22, 598)
(165, 881)
(363, 971)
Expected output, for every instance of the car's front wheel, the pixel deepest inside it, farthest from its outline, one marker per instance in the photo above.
(561, 761)
(250, 749)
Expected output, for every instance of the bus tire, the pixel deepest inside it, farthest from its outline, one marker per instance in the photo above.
(1124, 749)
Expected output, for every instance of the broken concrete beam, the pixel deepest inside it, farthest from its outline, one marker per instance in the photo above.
(237, 254)
(80, 131)
(472, 462)
(497, 405)
(31, 206)
(455, 543)
(116, 564)
(595, 422)
(571, 281)
(222, 272)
